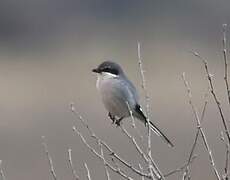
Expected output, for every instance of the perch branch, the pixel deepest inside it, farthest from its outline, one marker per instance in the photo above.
(112, 152)
(151, 164)
(137, 147)
(133, 123)
(116, 170)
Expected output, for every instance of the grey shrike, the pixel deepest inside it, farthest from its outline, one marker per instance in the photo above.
(120, 96)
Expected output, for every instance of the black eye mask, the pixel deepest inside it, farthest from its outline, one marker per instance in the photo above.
(110, 70)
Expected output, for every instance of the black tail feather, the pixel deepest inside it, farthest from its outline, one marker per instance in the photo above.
(153, 127)
(159, 133)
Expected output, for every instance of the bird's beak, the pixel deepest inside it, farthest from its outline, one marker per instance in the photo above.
(95, 70)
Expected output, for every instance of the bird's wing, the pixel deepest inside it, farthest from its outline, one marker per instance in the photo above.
(132, 90)
(127, 91)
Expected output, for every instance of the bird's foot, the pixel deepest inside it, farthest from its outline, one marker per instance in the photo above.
(112, 118)
(115, 120)
(118, 122)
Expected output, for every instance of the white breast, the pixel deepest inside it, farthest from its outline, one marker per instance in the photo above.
(113, 94)
(103, 77)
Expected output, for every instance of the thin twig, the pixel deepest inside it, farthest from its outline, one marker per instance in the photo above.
(137, 147)
(143, 80)
(131, 114)
(209, 76)
(116, 170)
(185, 175)
(112, 152)
(141, 168)
(88, 173)
(144, 87)
(76, 177)
(226, 168)
(51, 166)
(75, 112)
(180, 168)
(155, 170)
(225, 61)
(187, 171)
(106, 168)
(133, 122)
(227, 89)
(1, 171)
(131, 167)
(198, 131)
(194, 110)
(117, 165)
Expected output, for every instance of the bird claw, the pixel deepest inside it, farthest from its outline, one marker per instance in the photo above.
(118, 122)
(114, 120)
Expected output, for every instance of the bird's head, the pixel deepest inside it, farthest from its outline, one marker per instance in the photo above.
(109, 67)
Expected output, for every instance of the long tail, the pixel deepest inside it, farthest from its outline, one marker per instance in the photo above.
(139, 114)
(159, 133)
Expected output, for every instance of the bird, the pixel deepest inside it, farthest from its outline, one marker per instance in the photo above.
(120, 96)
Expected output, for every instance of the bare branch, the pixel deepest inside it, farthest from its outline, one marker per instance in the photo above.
(187, 171)
(76, 177)
(194, 110)
(198, 131)
(133, 122)
(112, 152)
(144, 87)
(224, 26)
(225, 61)
(155, 170)
(209, 76)
(49, 159)
(131, 114)
(75, 112)
(88, 173)
(226, 168)
(1, 171)
(141, 168)
(137, 147)
(180, 169)
(106, 168)
(131, 167)
(143, 80)
(116, 170)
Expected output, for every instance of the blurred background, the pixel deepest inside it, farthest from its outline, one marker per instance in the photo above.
(47, 51)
